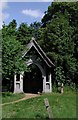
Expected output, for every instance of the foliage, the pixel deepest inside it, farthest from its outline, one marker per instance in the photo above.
(24, 34)
(57, 34)
(14, 43)
(11, 52)
(59, 75)
(35, 29)
(58, 38)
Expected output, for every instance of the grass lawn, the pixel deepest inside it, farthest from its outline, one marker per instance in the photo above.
(62, 105)
(0, 106)
(9, 97)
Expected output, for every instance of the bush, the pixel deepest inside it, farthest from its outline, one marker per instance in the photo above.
(5, 94)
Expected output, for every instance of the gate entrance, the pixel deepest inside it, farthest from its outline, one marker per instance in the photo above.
(32, 81)
(40, 77)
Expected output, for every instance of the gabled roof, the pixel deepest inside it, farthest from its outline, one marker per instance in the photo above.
(39, 50)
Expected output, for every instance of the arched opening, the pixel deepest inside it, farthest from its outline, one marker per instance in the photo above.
(33, 81)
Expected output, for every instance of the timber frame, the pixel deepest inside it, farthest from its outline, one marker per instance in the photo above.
(38, 57)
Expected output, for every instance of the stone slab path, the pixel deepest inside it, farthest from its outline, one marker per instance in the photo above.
(27, 96)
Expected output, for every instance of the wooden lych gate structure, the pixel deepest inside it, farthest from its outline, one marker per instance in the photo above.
(37, 57)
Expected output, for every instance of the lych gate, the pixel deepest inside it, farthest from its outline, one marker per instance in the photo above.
(37, 57)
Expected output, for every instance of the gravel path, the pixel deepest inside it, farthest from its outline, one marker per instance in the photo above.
(27, 96)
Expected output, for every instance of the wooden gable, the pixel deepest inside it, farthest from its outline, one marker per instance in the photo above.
(39, 50)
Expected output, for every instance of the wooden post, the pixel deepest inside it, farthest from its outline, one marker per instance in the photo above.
(14, 82)
(50, 82)
(48, 108)
(62, 88)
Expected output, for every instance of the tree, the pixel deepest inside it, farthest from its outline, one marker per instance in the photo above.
(57, 38)
(11, 53)
(35, 29)
(24, 34)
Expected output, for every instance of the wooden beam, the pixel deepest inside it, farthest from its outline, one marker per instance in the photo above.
(48, 108)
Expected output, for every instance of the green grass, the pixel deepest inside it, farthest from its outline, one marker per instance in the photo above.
(0, 106)
(9, 97)
(62, 105)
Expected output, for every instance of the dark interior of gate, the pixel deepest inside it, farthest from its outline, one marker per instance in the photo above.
(33, 82)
